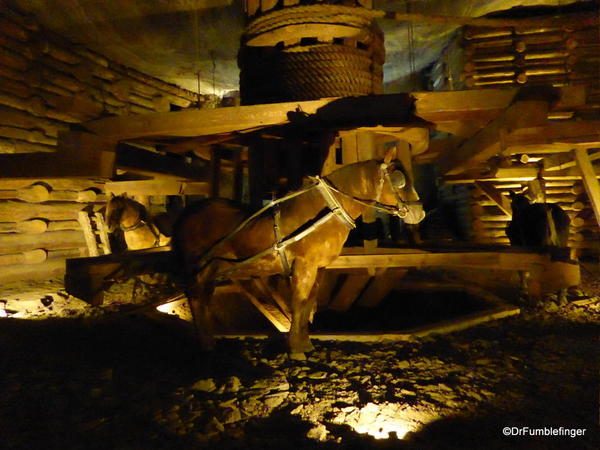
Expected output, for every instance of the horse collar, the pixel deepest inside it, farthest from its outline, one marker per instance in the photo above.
(142, 223)
(139, 224)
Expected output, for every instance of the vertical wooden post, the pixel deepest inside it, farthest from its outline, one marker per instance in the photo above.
(255, 172)
(238, 175)
(590, 181)
(215, 171)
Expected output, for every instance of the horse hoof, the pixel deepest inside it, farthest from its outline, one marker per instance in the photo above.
(298, 356)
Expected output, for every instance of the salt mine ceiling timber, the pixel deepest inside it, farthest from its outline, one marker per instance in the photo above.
(186, 41)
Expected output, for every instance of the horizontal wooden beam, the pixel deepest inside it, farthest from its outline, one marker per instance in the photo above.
(143, 162)
(492, 260)
(200, 122)
(157, 187)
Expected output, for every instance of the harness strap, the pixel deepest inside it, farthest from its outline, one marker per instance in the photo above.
(140, 224)
(334, 204)
(279, 246)
(277, 228)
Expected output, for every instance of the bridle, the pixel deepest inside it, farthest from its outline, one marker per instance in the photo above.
(401, 209)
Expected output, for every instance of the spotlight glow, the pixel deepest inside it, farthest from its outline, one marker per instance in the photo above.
(379, 420)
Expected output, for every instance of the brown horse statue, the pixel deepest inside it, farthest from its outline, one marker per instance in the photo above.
(304, 232)
(139, 229)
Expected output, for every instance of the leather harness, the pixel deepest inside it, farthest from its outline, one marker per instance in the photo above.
(336, 210)
(140, 224)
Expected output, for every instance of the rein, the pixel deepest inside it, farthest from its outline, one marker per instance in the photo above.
(336, 209)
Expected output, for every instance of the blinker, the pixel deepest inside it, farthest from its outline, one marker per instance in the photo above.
(398, 179)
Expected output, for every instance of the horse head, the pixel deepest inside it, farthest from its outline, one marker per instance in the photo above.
(120, 207)
(396, 188)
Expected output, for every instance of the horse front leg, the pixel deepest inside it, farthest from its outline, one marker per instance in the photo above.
(199, 295)
(303, 279)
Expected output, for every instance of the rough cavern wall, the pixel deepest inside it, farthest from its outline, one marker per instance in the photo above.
(48, 84)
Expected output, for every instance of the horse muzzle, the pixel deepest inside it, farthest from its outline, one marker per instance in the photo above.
(415, 214)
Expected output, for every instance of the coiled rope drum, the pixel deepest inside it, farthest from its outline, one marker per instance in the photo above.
(306, 52)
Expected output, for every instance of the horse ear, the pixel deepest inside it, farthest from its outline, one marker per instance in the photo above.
(390, 155)
(512, 194)
(124, 195)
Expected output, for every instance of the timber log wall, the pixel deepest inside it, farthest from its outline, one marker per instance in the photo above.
(46, 84)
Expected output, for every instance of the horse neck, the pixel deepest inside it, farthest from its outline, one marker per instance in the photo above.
(357, 180)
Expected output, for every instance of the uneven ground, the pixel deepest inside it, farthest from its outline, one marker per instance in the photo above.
(139, 383)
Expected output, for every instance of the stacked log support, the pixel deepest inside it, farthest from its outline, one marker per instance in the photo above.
(39, 225)
(489, 222)
(512, 56)
(47, 84)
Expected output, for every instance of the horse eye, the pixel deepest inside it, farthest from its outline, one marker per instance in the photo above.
(398, 179)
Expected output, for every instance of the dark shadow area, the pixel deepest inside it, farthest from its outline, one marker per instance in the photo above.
(400, 310)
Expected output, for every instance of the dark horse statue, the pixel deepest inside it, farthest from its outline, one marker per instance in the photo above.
(543, 225)
(537, 224)
(215, 240)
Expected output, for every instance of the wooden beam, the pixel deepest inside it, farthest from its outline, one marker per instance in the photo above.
(491, 260)
(349, 292)
(215, 172)
(495, 196)
(564, 161)
(200, 122)
(157, 187)
(271, 312)
(529, 109)
(590, 180)
(561, 135)
(380, 286)
(143, 162)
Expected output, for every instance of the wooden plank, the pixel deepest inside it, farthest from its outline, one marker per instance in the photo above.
(590, 180)
(49, 269)
(200, 122)
(492, 260)
(349, 292)
(238, 175)
(44, 165)
(12, 243)
(495, 196)
(560, 136)
(215, 172)
(564, 161)
(529, 109)
(18, 211)
(157, 187)
(143, 162)
(88, 233)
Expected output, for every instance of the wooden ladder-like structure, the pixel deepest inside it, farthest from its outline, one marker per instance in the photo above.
(95, 233)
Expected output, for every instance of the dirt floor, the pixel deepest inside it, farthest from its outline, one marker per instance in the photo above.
(87, 380)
